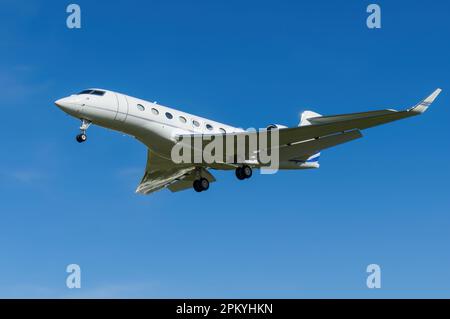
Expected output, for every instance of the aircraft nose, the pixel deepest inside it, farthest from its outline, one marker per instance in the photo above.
(68, 105)
(61, 103)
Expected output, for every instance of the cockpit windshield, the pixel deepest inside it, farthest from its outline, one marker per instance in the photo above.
(92, 92)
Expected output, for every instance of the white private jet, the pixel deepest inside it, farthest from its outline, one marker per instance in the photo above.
(160, 127)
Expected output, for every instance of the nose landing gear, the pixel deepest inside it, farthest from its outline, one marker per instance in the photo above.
(82, 137)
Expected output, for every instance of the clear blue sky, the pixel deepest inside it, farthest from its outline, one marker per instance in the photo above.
(383, 199)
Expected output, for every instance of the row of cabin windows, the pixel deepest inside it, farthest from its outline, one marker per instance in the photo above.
(182, 119)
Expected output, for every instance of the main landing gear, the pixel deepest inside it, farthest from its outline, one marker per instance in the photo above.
(82, 137)
(201, 185)
(244, 172)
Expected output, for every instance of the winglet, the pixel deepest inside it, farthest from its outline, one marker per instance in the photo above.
(423, 106)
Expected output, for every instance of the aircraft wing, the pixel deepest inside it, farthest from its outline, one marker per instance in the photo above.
(327, 126)
(161, 173)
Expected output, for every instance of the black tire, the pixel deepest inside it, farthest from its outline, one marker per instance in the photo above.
(204, 184)
(197, 187)
(244, 172)
(240, 174)
(247, 171)
(81, 138)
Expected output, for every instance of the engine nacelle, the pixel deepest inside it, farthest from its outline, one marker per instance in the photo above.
(275, 126)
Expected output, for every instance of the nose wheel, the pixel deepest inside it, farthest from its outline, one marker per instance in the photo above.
(82, 137)
(201, 185)
(244, 172)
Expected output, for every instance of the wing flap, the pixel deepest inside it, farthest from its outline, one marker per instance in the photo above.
(186, 182)
(304, 150)
(161, 173)
(158, 179)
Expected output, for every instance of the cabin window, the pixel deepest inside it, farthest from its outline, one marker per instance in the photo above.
(140, 107)
(182, 119)
(196, 123)
(169, 115)
(155, 111)
(209, 127)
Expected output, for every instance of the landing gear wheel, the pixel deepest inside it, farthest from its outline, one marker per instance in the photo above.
(244, 172)
(197, 186)
(247, 171)
(201, 185)
(240, 174)
(81, 138)
(204, 183)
